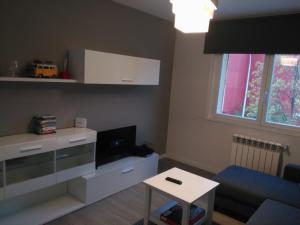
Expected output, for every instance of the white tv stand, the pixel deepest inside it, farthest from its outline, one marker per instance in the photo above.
(45, 177)
(113, 177)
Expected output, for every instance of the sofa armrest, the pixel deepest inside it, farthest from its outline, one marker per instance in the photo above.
(292, 173)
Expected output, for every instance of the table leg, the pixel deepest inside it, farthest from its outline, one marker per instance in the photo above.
(185, 214)
(147, 205)
(210, 208)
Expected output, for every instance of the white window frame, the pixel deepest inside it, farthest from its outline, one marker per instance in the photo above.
(260, 122)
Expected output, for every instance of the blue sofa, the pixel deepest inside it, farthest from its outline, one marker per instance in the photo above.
(275, 213)
(242, 191)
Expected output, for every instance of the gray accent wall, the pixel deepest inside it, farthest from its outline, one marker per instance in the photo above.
(35, 29)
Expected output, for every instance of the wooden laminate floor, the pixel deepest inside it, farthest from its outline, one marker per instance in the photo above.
(127, 207)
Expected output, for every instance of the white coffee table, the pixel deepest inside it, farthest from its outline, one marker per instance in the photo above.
(193, 190)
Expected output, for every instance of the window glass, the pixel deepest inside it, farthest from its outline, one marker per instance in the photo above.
(240, 85)
(284, 96)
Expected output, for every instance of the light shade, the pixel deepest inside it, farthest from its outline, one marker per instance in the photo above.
(193, 16)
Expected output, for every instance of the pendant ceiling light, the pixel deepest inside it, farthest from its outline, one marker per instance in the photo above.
(193, 16)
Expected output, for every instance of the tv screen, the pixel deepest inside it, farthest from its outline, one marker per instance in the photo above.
(114, 144)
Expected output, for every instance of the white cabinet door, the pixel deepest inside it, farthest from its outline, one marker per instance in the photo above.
(74, 162)
(146, 71)
(94, 67)
(113, 177)
(29, 173)
(101, 68)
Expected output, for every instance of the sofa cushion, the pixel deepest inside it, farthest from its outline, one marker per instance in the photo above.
(253, 188)
(292, 173)
(234, 209)
(275, 213)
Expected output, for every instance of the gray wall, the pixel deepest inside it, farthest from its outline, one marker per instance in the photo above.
(47, 29)
(192, 137)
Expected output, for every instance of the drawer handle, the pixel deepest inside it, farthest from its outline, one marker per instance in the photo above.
(31, 148)
(127, 80)
(76, 140)
(63, 156)
(127, 170)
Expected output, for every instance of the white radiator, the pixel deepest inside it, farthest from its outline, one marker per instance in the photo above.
(260, 155)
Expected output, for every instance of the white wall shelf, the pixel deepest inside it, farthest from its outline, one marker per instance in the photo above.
(36, 80)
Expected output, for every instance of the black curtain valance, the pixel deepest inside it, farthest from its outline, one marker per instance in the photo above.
(269, 35)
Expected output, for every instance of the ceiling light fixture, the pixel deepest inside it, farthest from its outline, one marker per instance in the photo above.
(193, 16)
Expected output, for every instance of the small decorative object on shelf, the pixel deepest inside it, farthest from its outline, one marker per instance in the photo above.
(80, 122)
(13, 68)
(45, 124)
(173, 216)
(65, 74)
(44, 70)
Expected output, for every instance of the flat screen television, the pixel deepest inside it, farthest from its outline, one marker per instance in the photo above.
(115, 144)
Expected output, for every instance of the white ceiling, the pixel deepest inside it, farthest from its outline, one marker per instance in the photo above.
(159, 8)
(226, 8)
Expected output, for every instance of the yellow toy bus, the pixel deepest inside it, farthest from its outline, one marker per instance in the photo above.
(45, 70)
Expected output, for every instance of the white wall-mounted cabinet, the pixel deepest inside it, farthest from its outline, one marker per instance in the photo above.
(95, 67)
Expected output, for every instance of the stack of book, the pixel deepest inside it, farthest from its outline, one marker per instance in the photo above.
(45, 124)
(173, 216)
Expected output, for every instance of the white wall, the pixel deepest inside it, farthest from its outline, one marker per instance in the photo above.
(192, 138)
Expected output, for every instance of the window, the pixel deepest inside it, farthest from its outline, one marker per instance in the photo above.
(258, 88)
(240, 86)
(284, 96)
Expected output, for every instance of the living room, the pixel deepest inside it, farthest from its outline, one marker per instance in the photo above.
(185, 114)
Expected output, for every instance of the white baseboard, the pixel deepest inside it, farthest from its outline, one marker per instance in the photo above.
(191, 162)
(162, 156)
